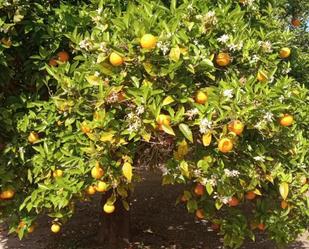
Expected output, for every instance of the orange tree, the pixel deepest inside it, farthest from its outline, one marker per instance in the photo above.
(215, 88)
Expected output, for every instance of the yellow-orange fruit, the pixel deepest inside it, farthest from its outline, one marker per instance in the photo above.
(284, 53)
(115, 59)
(97, 172)
(236, 126)
(148, 41)
(7, 194)
(286, 120)
(201, 97)
(250, 195)
(200, 214)
(33, 137)
(225, 145)
(108, 208)
(91, 190)
(233, 202)
(85, 129)
(63, 56)
(223, 59)
(55, 228)
(199, 189)
(101, 186)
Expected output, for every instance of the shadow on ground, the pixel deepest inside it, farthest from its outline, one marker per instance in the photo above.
(156, 223)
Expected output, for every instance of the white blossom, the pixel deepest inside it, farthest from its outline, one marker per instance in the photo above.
(223, 39)
(228, 93)
(85, 44)
(259, 158)
(231, 173)
(140, 110)
(191, 113)
(205, 125)
(266, 46)
(99, 10)
(268, 116)
(96, 73)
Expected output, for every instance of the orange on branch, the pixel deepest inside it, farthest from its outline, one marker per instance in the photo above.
(284, 53)
(33, 137)
(200, 214)
(115, 59)
(225, 145)
(201, 97)
(250, 195)
(199, 189)
(148, 41)
(108, 208)
(286, 120)
(236, 126)
(63, 56)
(223, 59)
(233, 202)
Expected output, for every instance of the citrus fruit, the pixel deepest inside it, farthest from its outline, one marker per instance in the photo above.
(286, 120)
(115, 59)
(236, 126)
(33, 137)
(225, 145)
(223, 59)
(201, 97)
(108, 208)
(148, 41)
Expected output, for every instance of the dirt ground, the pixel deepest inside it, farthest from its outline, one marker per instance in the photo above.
(156, 223)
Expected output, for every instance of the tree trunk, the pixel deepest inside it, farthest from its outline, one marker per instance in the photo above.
(114, 230)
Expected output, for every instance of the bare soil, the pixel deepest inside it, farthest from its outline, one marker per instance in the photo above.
(156, 223)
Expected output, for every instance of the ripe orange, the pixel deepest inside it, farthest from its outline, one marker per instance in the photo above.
(236, 126)
(115, 59)
(200, 214)
(63, 56)
(7, 194)
(261, 227)
(101, 186)
(250, 195)
(90, 190)
(199, 189)
(33, 137)
(286, 120)
(225, 145)
(108, 208)
(201, 97)
(296, 22)
(284, 204)
(53, 62)
(58, 173)
(121, 96)
(284, 53)
(97, 172)
(233, 202)
(163, 119)
(223, 59)
(148, 41)
(55, 228)
(262, 76)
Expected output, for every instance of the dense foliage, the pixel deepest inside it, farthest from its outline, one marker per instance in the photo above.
(216, 91)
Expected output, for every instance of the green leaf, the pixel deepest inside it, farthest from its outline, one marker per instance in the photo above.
(284, 190)
(168, 129)
(186, 131)
(209, 188)
(168, 100)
